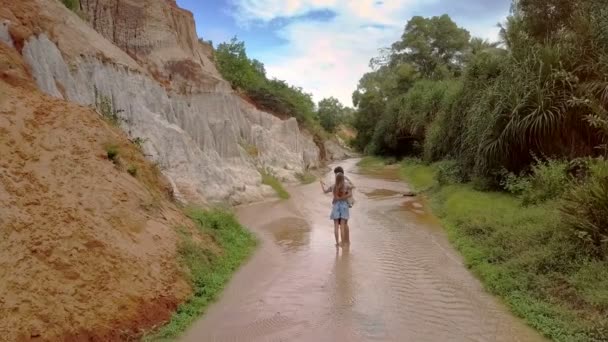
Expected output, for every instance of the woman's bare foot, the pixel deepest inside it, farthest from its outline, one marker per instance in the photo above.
(339, 244)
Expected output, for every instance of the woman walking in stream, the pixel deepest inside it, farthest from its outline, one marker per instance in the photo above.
(340, 208)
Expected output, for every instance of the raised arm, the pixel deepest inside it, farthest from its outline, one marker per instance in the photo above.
(325, 190)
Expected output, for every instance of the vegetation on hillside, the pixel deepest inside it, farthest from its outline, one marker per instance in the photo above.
(74, 5)
(273, 95)
(526, 253)
(511, 138)
(437, 93)
(498, 115)
(271, 180)
(332, 114)
(249, 76)
(209, 271)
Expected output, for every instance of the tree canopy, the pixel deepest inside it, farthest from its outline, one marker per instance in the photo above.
(331, 113)
(249, 77)
(440, 93)
(434, 46)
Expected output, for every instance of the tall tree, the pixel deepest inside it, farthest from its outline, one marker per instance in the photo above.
(330, 113)
(435, 46)
(236, 67)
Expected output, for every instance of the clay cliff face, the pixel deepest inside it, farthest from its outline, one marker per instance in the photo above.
(159, 35)
(146, 58)
(88, 251)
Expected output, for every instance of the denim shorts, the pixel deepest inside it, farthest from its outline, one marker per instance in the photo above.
(339, 210)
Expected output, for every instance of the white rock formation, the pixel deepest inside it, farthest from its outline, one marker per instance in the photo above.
(203, 139)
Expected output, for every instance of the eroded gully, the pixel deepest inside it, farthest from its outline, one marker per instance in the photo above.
(400, 280)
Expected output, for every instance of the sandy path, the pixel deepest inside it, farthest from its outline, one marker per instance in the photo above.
(400, 280)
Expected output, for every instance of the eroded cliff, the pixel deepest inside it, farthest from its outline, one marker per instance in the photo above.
(145, 57)
(88, 249)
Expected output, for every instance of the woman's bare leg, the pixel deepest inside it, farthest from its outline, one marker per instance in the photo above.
(345, 232)
(337, 231)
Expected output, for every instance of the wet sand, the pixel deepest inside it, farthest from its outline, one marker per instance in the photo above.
(400, 280)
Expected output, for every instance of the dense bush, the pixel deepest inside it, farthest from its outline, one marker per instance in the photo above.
(585, 210)
(438, 94)
(249, 76)
(449, 172)
(331, 114)
(483, 115)
(276, 96)
(74, 5)
(547, 180)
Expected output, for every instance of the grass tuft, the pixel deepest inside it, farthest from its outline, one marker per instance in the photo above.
(306, 177)
(132, 170)
(209, 271)
(252, 150)
(273, 182)
(73, 5)
(420, 176)
(139, 143)
(112, 152)
(371, 164)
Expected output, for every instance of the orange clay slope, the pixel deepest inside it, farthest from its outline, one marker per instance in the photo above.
(88, 251)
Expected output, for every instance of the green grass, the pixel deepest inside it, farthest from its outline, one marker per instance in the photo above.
(523, 255)
(371, 164)
(306, 177)
(251, 149)
(139, 142)
(209, 272)
(420, 176)
(274, 183)
(112, 152)
(132, 170)
(74, 5)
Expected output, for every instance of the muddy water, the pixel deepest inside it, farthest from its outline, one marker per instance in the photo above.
(398, 281)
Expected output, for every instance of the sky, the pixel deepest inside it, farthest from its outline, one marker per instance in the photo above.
(324, 46)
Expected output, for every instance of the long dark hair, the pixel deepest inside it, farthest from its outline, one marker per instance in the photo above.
(339, 185)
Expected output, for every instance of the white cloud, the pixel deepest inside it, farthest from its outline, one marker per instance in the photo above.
(327, 58)
(266, 10)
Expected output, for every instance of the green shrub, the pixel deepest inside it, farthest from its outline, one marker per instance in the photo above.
(209, 272)
(249, 77)
(106, 109)
(306, 177)
(73, 5)
(269, 179)
(449, 172)
(112, 152)
(390, 161)
(132, 170)
(371, 164)
(520, 255)
(517, 185)
(139, 143)
(331, 114)
(251, 149)
(483, 183)
(548, 180)
(585, 209)
(420, 176)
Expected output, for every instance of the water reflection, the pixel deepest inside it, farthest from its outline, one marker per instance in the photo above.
(345, 298)
(419, 208)
(291, 233)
